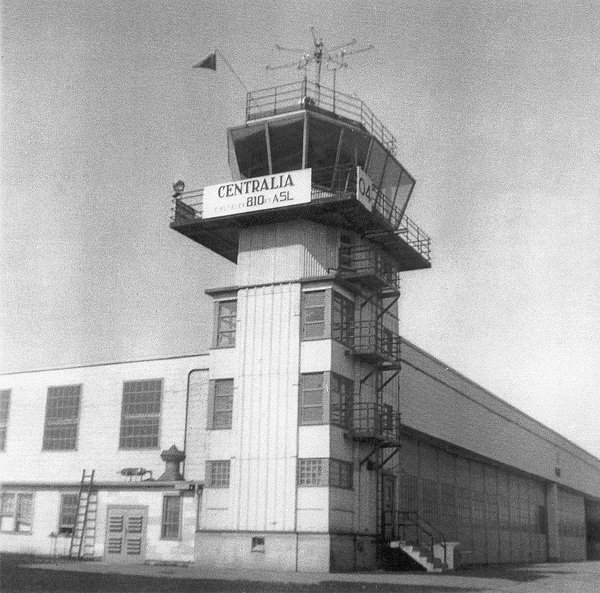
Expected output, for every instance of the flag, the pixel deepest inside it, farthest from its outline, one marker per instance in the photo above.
(209, 62)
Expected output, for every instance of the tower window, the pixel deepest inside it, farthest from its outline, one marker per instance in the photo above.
(342, 322)
(325, 472)
(313, 315)
(140, 414)
(4, 409)
(222, 403)
(62, 418)
(312, 386)
(217, 474)
(325, 398)
(226, 322)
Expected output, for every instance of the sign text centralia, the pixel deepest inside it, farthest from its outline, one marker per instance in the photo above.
(259, 193)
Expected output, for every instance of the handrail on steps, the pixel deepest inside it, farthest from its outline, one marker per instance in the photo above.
(412, 519)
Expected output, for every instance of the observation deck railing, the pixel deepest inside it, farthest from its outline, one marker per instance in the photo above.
(296, 96)
(187, 207)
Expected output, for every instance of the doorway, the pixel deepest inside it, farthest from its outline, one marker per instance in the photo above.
(126, 533)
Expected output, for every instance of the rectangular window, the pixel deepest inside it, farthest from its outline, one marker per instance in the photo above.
(222, 403)
(62, 418)
(4, 409)
(340, 474)
(217, 474)
(312, 386)
(312, 472)
(342, 396)
(171, 517)
(68, 513)
(342, 319)
(226, 321)
(16, 511)
(313, 315)
(325, 472)
(140, 414)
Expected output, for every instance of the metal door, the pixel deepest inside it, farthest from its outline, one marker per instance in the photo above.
(389, 506)
(126, 534)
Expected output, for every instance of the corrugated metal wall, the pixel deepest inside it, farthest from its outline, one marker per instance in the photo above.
(266, 422)
(286, 252)
(493, 513)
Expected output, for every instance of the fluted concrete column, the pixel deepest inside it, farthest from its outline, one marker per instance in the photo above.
(552, 518)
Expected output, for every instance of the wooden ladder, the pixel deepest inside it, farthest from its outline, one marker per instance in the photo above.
(86, 516)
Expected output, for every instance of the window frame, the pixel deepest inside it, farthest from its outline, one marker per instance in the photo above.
(302, 406)
(347, 320)
(332, 384)
(5, 400)
(305, 323)
(212, 407)
(15, 512)
(210, 480)
(122, 446)
(53, 423)
(331, 295)
(169, 524)
(328, 475)
(63, 527)
(218, 317)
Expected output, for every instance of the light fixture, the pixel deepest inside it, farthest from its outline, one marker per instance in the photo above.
(178, 188)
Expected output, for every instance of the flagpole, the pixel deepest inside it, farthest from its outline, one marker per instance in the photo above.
(232, 70)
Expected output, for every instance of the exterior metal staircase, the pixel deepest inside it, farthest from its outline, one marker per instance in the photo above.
(84, 530)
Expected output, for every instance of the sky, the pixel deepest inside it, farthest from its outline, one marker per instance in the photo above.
(495, 108)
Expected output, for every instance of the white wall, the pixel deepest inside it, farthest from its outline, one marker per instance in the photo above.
(99, 421)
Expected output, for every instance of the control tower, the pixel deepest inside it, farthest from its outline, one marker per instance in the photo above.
(303, 418)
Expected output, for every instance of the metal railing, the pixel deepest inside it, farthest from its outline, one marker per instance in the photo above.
(296, 96)
(369, 338)
(424, 533)
(367, 420)
(367, 261)
(328, 185)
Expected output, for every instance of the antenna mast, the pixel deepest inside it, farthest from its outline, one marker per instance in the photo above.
(334, 57)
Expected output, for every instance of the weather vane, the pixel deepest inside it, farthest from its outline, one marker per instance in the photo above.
(333, 57)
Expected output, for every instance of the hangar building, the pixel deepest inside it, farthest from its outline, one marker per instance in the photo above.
(311, 436)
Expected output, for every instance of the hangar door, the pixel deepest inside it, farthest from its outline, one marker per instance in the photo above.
(126, 534)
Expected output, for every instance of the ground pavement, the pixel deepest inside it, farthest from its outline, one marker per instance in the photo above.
(581, 577)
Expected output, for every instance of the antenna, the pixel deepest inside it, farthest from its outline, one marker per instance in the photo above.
(318, 54)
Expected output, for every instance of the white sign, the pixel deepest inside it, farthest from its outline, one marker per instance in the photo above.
(259, 193)
(365, 193)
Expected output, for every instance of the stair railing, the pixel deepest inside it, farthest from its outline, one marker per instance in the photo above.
(434, 535)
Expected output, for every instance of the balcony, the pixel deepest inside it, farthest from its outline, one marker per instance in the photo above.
(371, 341)
(335, 204)
(369, 267)
(368, 421)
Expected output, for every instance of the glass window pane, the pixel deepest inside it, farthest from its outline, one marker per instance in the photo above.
(406, 185)
(251, 151)
(286, 139)
(323, 140)
(376, 163)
